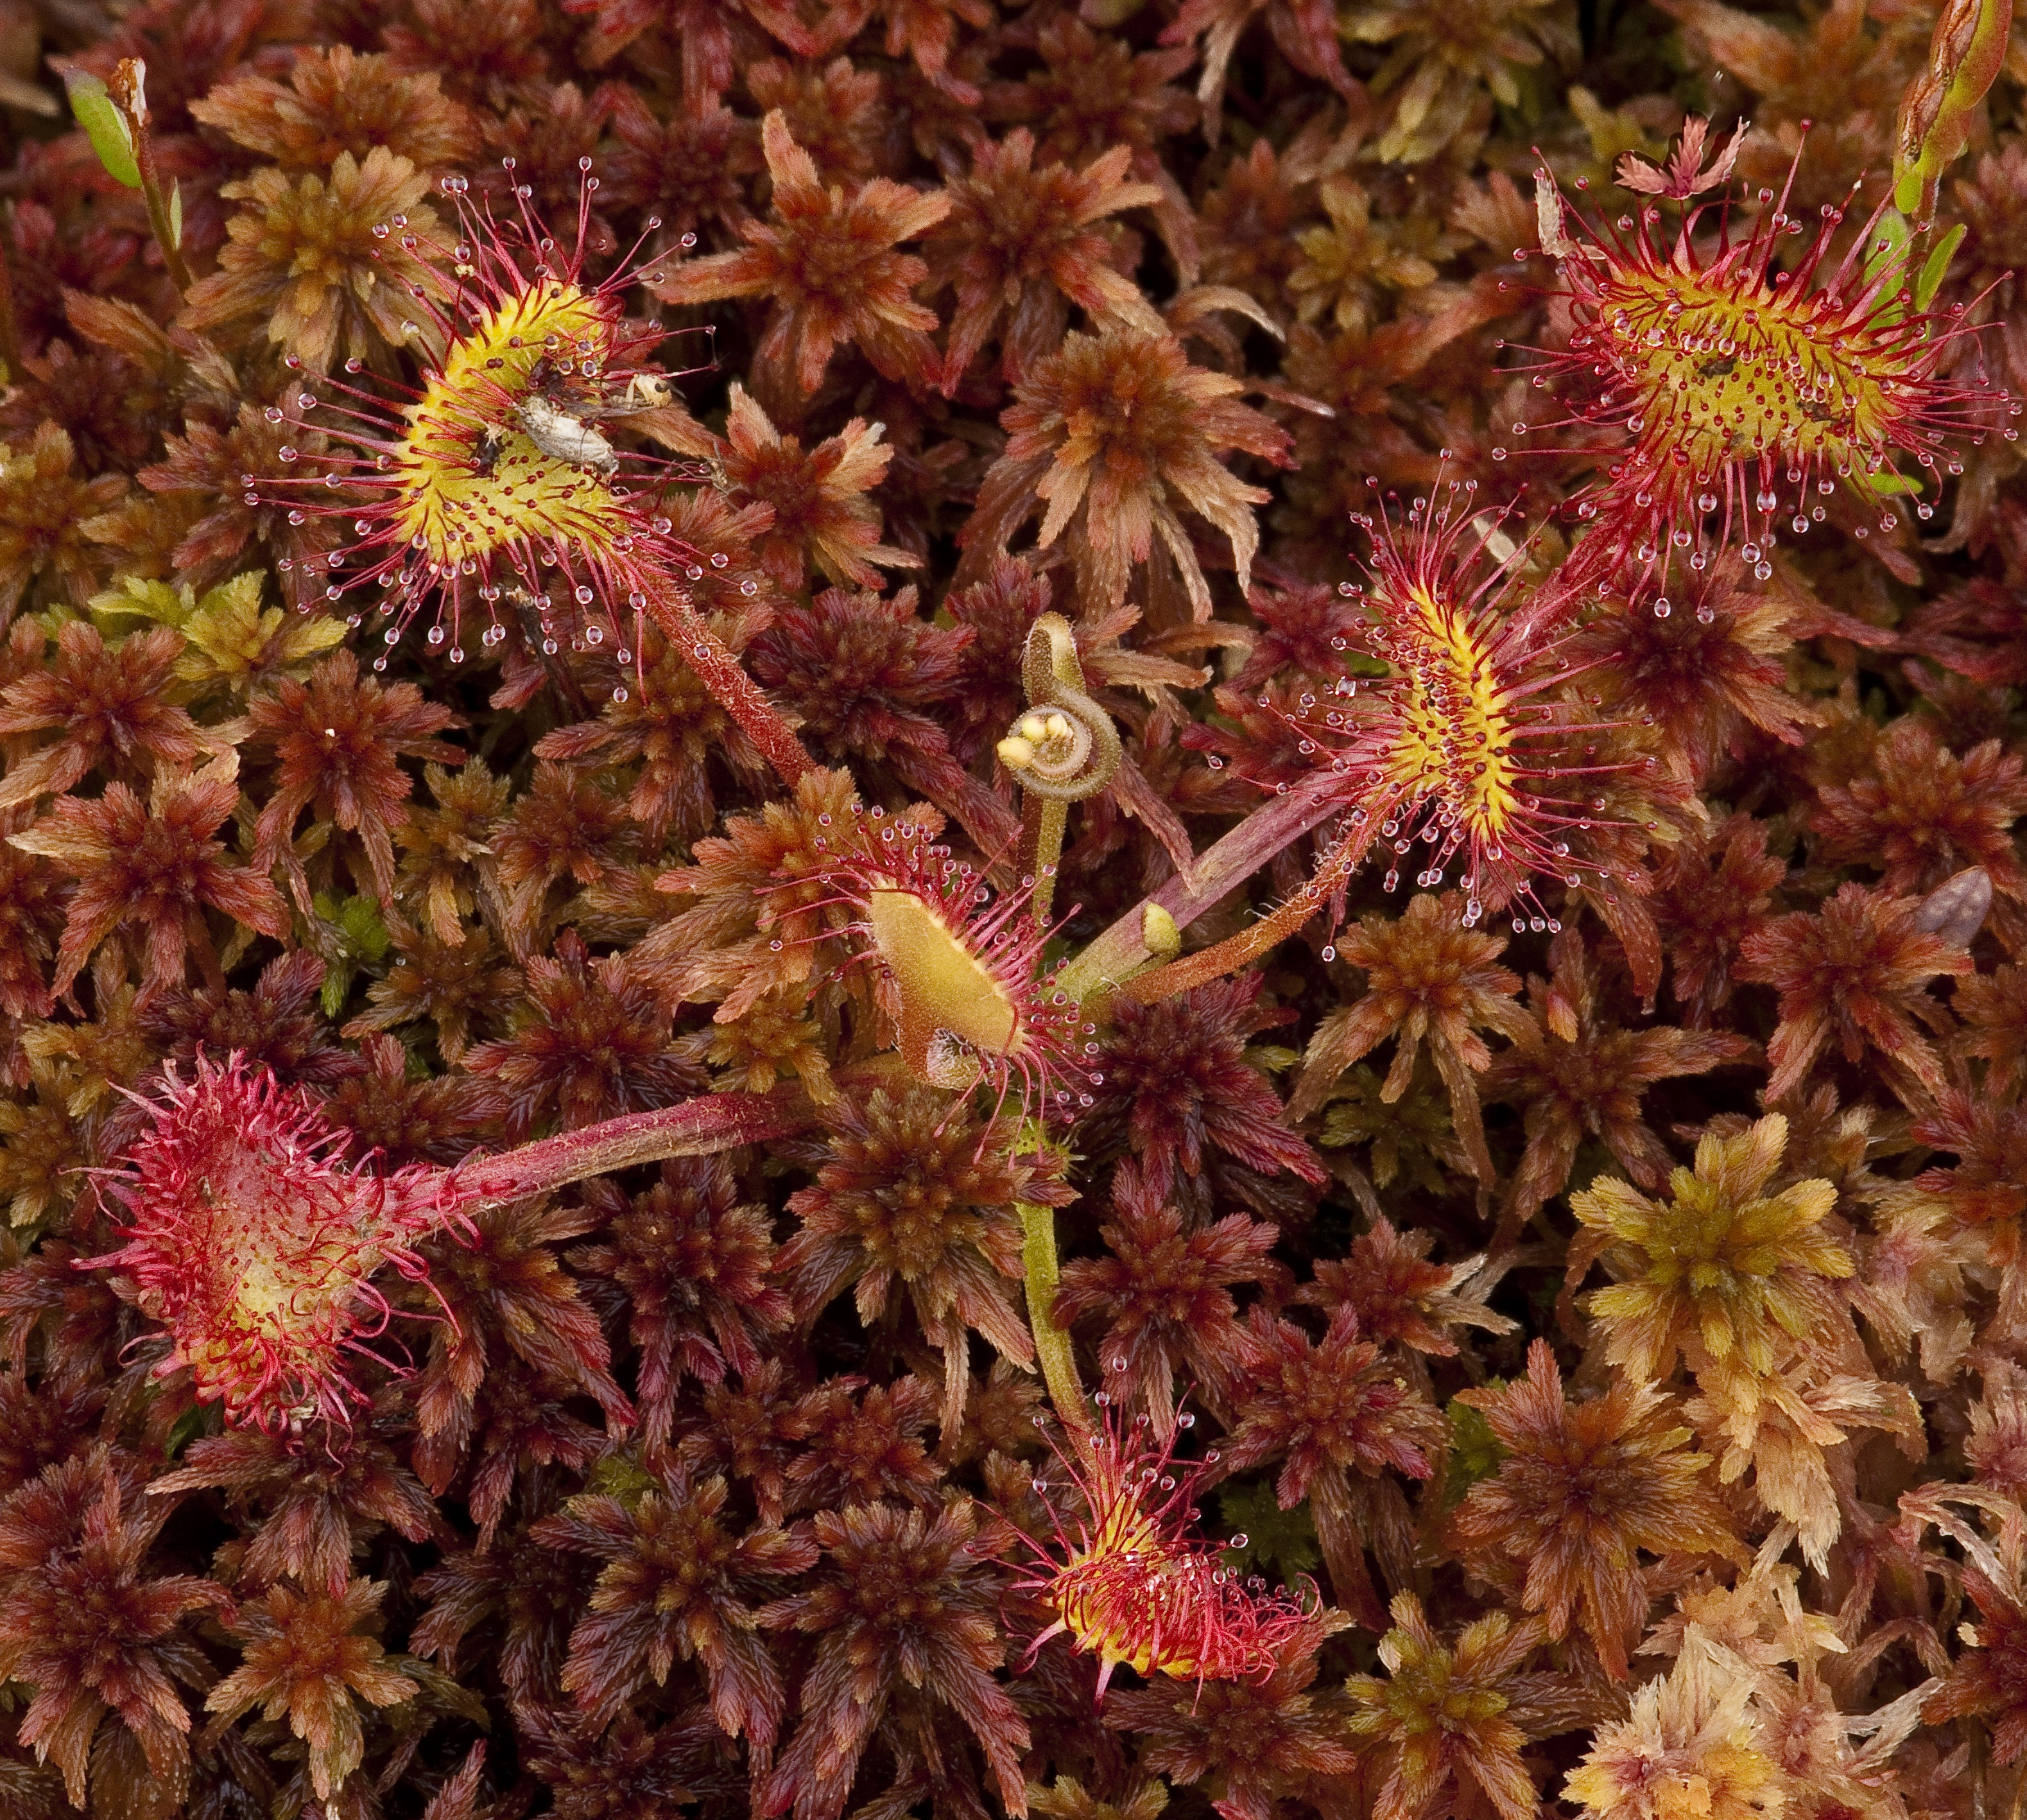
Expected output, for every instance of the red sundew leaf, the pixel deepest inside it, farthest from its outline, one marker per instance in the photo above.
(1135, 1587)
(1742, 391)
(256, 1248)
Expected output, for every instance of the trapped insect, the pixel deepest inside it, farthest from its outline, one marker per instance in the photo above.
(647, 390)
(561, 428)
(563, 438)
(486, 453)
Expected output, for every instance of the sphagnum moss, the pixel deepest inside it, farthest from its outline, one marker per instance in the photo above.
(665, 874)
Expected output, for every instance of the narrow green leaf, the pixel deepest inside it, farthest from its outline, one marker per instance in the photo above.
(1889, 244)
(176, 214)
(105, 126)
(1889, 248)
(1937, 266)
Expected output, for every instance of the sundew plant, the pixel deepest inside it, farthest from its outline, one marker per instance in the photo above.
(932, 910)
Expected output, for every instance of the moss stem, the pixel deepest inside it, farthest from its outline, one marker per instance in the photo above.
(129, 94)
